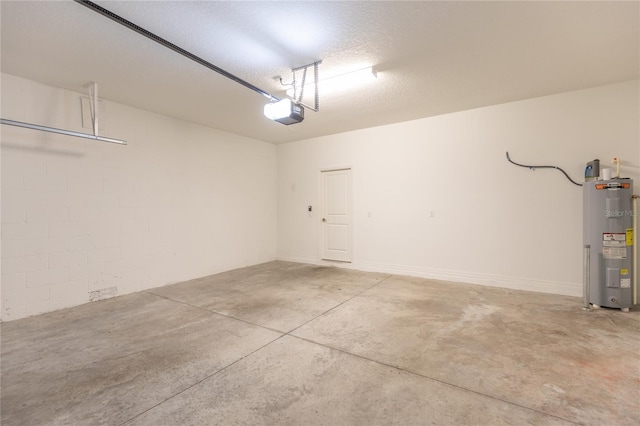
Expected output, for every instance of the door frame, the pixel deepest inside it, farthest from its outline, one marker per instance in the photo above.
(321, 204)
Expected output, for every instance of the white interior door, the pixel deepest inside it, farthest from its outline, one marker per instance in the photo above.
(336, 215)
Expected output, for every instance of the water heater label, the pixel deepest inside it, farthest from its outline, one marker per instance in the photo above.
(630, 236)
(614, 239)
(625, 283)
(614, 252)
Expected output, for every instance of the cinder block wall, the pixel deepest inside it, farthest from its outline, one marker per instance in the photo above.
(83, 220)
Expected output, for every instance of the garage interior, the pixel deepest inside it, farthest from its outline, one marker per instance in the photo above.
(380, 262)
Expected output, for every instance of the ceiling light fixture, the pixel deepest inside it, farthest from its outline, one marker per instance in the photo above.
(342, 81)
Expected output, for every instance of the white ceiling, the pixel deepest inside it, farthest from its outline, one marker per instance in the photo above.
(432, 57)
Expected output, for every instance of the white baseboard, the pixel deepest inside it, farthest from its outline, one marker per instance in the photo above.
(514, 283)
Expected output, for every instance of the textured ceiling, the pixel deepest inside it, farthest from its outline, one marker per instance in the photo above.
(431, 57)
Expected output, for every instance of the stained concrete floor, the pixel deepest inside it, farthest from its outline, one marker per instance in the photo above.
(293, 344)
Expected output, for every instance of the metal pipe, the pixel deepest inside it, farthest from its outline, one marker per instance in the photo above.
(120, 20)
(61, 131)
(586, 277)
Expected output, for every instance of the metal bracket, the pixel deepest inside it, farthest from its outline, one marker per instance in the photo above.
(93, 105)
(297, 96)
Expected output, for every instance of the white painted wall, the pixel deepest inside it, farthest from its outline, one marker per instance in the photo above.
(494, 223)
(183, 201)
(180, 201)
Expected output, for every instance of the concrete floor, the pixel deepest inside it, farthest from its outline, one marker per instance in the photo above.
(293, 344)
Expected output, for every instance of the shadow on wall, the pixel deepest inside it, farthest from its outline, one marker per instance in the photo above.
(41, 149)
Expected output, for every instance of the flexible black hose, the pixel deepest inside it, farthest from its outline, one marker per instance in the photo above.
(543, 167)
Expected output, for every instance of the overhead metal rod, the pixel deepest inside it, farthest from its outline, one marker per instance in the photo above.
(61, 131)
(178, 49)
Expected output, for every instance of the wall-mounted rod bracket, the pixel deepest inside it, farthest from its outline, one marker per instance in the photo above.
(93, 105)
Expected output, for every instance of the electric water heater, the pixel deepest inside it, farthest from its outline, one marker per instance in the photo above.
(608, 240)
